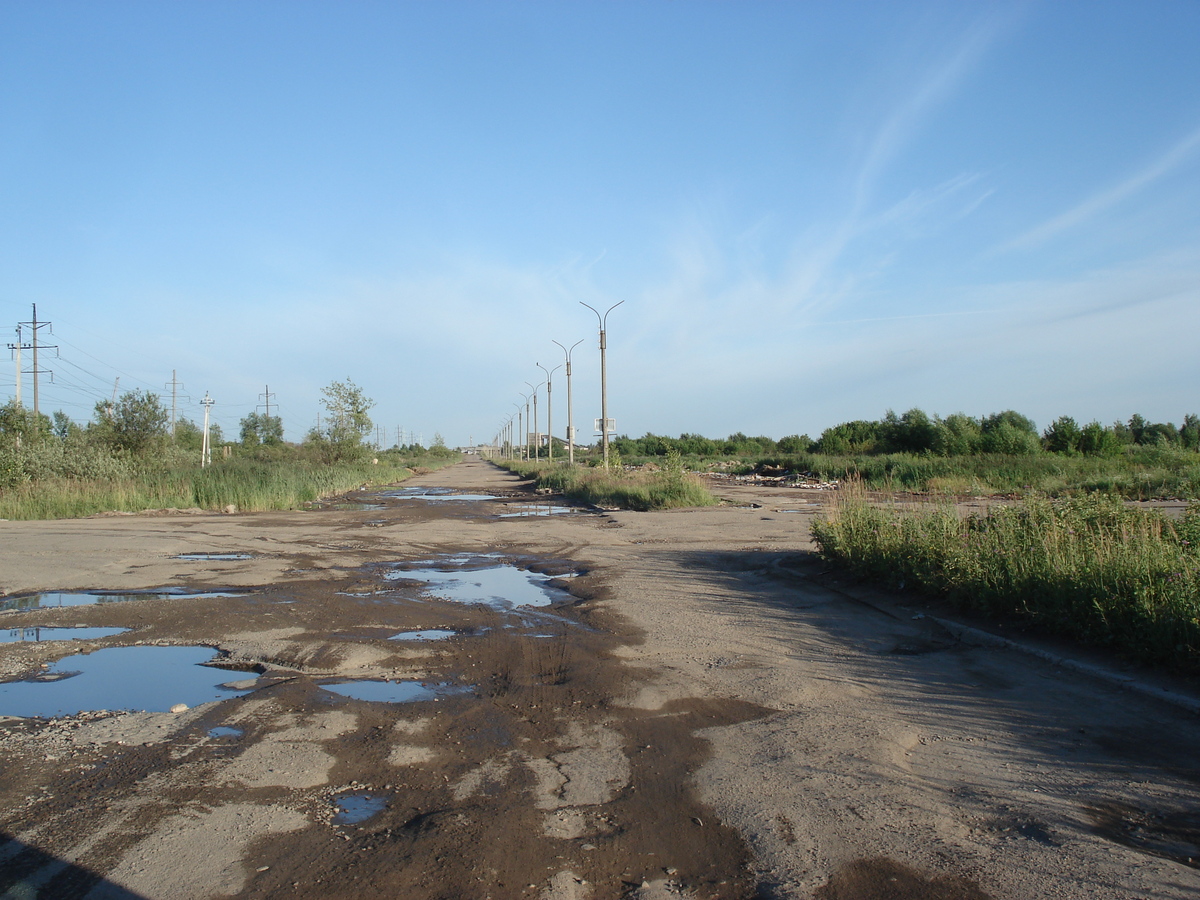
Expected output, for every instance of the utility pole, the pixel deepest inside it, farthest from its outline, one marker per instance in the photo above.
(266, 396)
(36, 344)
(112, 404)
(174, 385)
(17, 348)
(205, 450)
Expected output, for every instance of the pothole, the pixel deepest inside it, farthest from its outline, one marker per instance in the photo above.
(435, 495)
(357, 807)
(374, 691)
(56, 599)
(429, 634)
(213, 556)
(537, 509)
(480, 579)
(67, 633)
(142, 679)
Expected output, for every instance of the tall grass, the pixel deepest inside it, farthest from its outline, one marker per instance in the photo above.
(666, 489)
(250, 485)
(1090, 568)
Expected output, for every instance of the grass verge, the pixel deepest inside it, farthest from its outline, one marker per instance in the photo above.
(669, 488)
(1089, 568)
(250, 485)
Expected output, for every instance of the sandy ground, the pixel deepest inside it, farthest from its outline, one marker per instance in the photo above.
(707, 713)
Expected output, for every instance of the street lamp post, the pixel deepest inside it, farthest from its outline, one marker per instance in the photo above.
(549, 408)
(536, 437)
(603, 377)
(521, 425)
(570, 418)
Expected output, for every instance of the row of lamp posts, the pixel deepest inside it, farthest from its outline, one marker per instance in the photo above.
(505, 436)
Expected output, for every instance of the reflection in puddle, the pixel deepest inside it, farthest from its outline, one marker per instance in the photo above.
(537, 509)
(55, 599)
(40, 633)
(145, 679)
(390, 691)
(434, 494)
(214, 556)
(222, 731)
(465, 579)
(430, 634)
(357, 807)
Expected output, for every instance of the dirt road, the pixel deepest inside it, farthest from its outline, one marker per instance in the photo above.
(676, 704)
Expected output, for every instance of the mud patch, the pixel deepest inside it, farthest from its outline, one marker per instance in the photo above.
(1173, 834)
(886, 879)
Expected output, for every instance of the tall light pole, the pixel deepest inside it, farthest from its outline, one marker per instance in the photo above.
(570, 417)
(536, 437)
(521, 425)
(549, 408)
(603, 319)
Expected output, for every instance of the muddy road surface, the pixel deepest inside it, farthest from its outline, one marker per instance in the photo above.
(459, 689)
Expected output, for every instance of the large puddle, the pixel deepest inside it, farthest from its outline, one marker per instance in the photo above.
(429, 634)
(56, 599)
(39, 633)
(480, 579)
(144, 679)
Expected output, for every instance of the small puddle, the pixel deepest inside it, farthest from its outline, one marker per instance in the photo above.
(56, 599)
(467, 579)
(213, 556)
(357, 807)
(40, 633)
(224, 731)
(390, 691)
(430, 634)
(143, 679)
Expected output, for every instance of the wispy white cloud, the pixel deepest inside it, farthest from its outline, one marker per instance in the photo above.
(1173, 158)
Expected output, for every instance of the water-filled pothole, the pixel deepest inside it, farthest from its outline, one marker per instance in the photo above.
(40, 633)
(391, 691)
(480, 579)
(537, 509)
(56, 599)
(429, 634)
(213, 556)
(434, 494)
(225, 731)
(144, 679)
(357, 806)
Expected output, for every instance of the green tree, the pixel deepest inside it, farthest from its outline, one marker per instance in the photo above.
(957, 435)
(346, 422)
(258, 428)
(1189, 432)
(1096, 440)
(17, 424)
(135, 424)
(1062, 436)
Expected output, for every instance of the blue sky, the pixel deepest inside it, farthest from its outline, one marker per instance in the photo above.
(813, 212)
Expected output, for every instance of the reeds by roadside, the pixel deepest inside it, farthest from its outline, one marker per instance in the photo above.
(1091, 568)
(668, 488)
